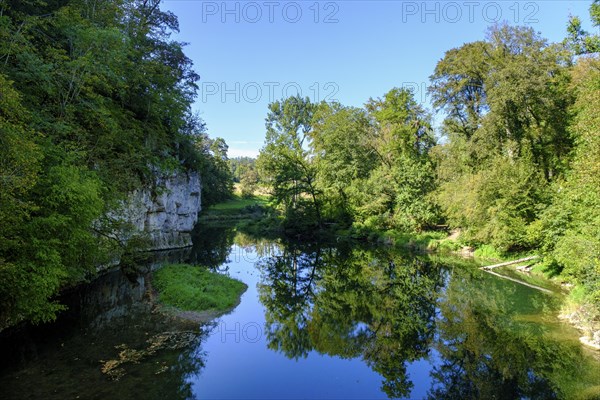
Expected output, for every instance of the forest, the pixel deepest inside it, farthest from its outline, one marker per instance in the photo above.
(515, 165)
(96, 95)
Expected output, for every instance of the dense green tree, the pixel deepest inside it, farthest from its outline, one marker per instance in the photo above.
(340, 142)
(458, 87)
(508, 102)
(286, 164)
(570, 227)
(217, 182)
(239, 166)
(245, 173)
(369, 166)
(104, 79)
(20, 158)
(94, 97)
(398, 188)
(249, 183)
(580, 41)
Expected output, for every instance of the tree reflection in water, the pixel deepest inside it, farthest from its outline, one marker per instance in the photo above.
(489, 351)
(351, 303)
(212, 245)
(391, 308)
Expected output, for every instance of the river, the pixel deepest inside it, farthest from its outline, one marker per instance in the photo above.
(328, 321)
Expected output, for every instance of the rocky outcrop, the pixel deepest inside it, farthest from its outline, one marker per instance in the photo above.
(583, 317)
(164, 212)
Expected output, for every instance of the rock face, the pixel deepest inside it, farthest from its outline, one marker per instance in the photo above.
(167, 212)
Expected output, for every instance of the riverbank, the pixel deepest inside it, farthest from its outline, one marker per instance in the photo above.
(255, 215)
(575, 310)
(236, 209)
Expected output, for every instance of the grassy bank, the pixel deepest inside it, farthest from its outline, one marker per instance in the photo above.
(237, 208)
(193, 288)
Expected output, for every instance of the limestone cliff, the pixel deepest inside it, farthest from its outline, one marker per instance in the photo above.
(165, 211)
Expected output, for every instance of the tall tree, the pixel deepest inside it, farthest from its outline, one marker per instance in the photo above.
(95, 95)
(286, 163)
(340, 142)
(508, 104)
(579, 40)
(570, 227)
(396, 193)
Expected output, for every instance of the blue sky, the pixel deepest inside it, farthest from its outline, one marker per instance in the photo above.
(249, 53)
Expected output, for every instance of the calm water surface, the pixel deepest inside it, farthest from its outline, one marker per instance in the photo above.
(317, 321)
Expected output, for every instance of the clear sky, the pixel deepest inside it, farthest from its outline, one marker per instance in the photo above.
(249, 53)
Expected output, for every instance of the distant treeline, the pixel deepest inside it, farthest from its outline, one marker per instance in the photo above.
(245, 174)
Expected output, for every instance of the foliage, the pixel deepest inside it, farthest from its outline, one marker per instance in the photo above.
(580, 41)
(339, 140)
(240, 165)
(217, 182)
(286, 165)
(194, 288)
(519, 167)
(94, 98)
(570, 227)
(516, 167)
(507, 100)
(369, 166)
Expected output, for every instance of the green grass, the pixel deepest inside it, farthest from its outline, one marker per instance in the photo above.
(422, 241)
(193, 288)
(238, 203)
(237, 208)
(488, 252)
(445, 245)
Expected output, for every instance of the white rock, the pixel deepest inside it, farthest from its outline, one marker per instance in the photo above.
(166, 212)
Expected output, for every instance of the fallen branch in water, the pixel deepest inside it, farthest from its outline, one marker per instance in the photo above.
(504, 264)
(521, 282)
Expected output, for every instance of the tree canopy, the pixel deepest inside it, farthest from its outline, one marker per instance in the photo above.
(94, 98)
(513, 165)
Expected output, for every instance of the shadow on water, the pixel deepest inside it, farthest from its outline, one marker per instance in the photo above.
(109, 344)
(429, 327)
(211, 245)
